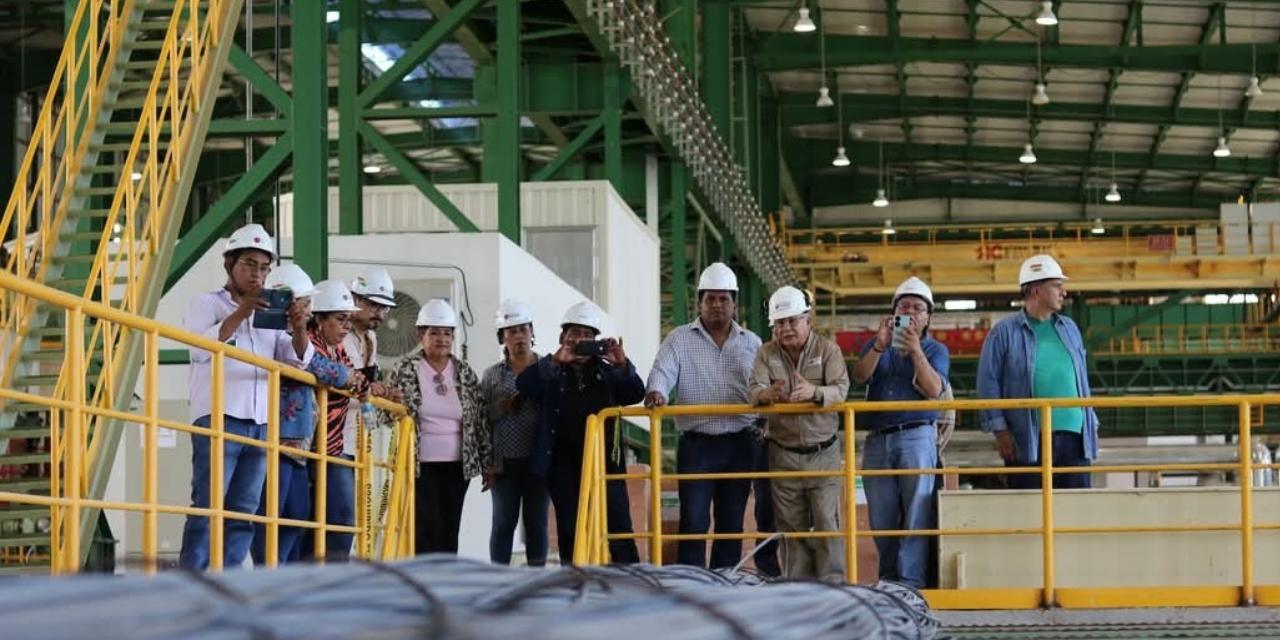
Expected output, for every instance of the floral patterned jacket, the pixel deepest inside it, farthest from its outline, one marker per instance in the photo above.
(476, 443)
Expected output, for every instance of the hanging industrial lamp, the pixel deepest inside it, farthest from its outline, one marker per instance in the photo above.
(1113, 195)
(804, 24)
(888, 229)
(841, 160)
(1222, 150)
(1028, 154)
(1098, 229)
(882, 201)
(1041, 96)
(824, 97)
(1046, 17)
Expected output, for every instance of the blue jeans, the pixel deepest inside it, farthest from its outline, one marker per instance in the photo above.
(295, 504)
(702, 453)
(564, 479)
(513, 489)
(902, 502)
(243, 470)
(340, 508)
(1068, 451)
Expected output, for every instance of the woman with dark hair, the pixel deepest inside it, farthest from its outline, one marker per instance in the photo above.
(442, 395)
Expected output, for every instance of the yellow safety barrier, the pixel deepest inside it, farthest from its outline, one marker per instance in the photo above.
(388, 536)
(593, 538)
(1190, 339)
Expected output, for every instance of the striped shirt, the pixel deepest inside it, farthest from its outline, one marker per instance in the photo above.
(336, 411)
(702, 373)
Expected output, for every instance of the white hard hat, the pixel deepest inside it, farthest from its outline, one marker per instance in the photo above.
(291, 277)
(512, 313)
(437, 313)
(250, 236)
(586, 314)
(787, 302)
(914, 286)
(1041, 267)
(375, 284)
(718, 277)
(332, 296)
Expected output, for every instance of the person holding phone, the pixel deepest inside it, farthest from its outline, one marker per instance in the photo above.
(799, 366)
(227, 315)
(513, 423)
(1039, 353)
(442, 394)
(708, 361)
(902, 363)
(374, 293)
(582, 377)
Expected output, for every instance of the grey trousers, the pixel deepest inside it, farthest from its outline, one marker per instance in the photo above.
(809, 504)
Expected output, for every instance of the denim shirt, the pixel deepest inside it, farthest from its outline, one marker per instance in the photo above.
(298, 401)
(894, 380)
(1006, 369)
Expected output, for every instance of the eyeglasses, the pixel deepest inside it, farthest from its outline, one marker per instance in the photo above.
(254, 265)
(441, 388)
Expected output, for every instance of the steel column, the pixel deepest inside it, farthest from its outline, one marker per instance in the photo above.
(350, 155)
(311, 139)
(613, 125)
(505, 165)
(677, 242)
(717, 63)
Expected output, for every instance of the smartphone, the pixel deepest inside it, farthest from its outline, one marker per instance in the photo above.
(900, 324)
(276, 315)
(591, 348)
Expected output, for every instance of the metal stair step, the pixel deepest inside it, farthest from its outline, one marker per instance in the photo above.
(88, 213)
(149, 65)
(113, 169)
(108, 147)
(23, 511)
(24, 458)
(88, 192)
(24, 540)
(77, 236)
(47, 380)
(25, 485)
(87, 258)
(24, 432)
(79, 284)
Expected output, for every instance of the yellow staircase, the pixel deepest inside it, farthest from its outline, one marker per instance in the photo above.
(95, 211)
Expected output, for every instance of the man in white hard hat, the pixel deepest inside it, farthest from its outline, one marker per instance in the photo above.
(1039, 353)
(374, 294)
(799, 366)
(570, 385)
(226, 315)
(914, 367)
(708, 361)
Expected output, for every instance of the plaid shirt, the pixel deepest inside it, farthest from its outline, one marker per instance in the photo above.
(702, 373)
(512, 431)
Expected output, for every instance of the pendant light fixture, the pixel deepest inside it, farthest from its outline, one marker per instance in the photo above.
(824, 93)
(1041, 95)
(888, 229)
(1255, 89)
(804, 24)
(1098, 229)
(1028, 154)
(1222, 150)
(841, 160)
(1046, 17)
(1113, 194)
(881, 200)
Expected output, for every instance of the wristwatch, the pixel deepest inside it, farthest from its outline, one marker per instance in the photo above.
(817, 396)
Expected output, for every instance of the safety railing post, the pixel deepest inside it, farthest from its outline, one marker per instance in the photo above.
(599, 496)
(655, 486)
(409, 435)
(850, 499)
(363, 481)
(272, 496)
(1046, 502)
(321, 500)
(75, 434)
(150, 463)
(1246, 505)
(582, 523)
(217, 453)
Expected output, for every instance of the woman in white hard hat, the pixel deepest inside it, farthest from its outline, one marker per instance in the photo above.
(912, 367)
(442, 394)
(227, 315)
(799, 366)
(582, 377)
(297, 429)
(513, 423)
(331, 308)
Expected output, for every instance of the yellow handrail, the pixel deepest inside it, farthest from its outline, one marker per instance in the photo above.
(69, 466)
(593, 537)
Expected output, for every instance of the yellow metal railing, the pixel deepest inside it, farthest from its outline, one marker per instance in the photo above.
(385, 532)
(1191, 339)
(593, 536)
(138, 227)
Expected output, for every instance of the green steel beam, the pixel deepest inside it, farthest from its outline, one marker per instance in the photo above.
(680, 20)
(418, 52)
(815, 154)
(232, 128)
(262, 82)
(350, 149)
(215, 221)
(798, 109)
(310, 74)
(1103, 337)
(717, 53)
(678, 241)
(833, 190)
(428, 113)
(506, 166)
(612, 116)
(412, 174)
(569, 151)
(790, 52)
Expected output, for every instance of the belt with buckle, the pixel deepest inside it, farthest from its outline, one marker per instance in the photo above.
(906, 426)
(811, 449)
